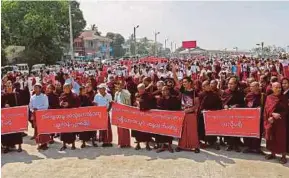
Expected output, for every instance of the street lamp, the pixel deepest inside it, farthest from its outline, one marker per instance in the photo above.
(236, 48)
(134, 36)
(156, 34)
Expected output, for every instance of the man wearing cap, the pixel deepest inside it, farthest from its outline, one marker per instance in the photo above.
(39, 101)
(68, 100)
(102, 98)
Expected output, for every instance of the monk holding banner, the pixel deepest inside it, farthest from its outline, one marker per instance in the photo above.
(275, 116)
(68, 100)
(170, 103)
(233, 98)
(208, 101)
(144, 102)
(10, 99)
(254, 99)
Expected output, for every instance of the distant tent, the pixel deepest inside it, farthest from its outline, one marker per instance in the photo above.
(196, 50)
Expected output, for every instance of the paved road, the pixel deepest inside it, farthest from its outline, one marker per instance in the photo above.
(126, 163)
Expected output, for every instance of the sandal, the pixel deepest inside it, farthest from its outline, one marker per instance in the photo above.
(283, 160)
(83, 146)
(19, 150)
(178, 149)
(63, 148)
(269, 157)
(148, 148)
(197, 150)
(73, 148)
(137, 147)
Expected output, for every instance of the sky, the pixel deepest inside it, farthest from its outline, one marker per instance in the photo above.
(214, 25)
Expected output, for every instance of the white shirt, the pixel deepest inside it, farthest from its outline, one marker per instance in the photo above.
(39, 102)
(102, 100)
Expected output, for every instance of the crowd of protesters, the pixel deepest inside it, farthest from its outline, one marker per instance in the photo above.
(192, 84)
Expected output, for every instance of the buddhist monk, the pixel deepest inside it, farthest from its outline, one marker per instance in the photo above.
(53, 100)
(102, 98)
(89, 91)
(170, 103)
(254, 99)
(144, 101)
(214, 87)
(208, 101)
(189, 139)
(86, 135)
(68, 100)
(39, 101)
(10, 99)
(233, 98)
(285, 90)
(122, 96)
(275, 116)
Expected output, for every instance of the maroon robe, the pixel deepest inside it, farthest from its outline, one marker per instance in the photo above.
(86, 135)
(10, 140)
(170, 104)
(73, 102)
(287, 96)
(253, 100)
(53, 100)
(189, 139)
(231, 98)
(147, 102)
(275, 133)
(208, 101)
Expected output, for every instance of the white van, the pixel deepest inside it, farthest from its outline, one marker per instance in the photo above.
(37, 67)
(23, 68)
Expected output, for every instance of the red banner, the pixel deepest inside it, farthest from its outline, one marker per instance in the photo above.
(233, 122)
(72, 120)
(14, 119)
(152, 121)
(189, 44)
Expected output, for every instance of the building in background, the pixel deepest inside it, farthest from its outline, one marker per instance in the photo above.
(89, 45)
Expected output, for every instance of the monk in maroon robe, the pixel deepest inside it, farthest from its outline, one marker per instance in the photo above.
(167, 102)
(53, 100)
(254, 99)
(275, 116)
(144, 101)
(68, 100)
(86, 135)
(10, 99)
(233, 98)
(189, 139)
(208, 101)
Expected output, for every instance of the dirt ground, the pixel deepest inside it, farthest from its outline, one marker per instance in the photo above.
(113, 162)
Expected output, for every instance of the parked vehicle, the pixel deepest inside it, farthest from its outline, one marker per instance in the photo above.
(37, 67)
(7, 69)
(23, 68)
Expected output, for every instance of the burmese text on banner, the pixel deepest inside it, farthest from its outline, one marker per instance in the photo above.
(14, 119)
(72, 120)
(239, 122)
(153, 121)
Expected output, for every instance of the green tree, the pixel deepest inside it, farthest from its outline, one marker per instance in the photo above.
(116, 44)
(41, 26)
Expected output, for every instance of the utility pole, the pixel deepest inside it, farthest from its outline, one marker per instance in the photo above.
(134, 36)
(156, 34)
(171, 46)
(71, 34)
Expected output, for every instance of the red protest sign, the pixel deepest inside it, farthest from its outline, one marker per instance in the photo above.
(233, 122)
(189, 44)
(152, 121)
(14, 119)
(72, 120)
